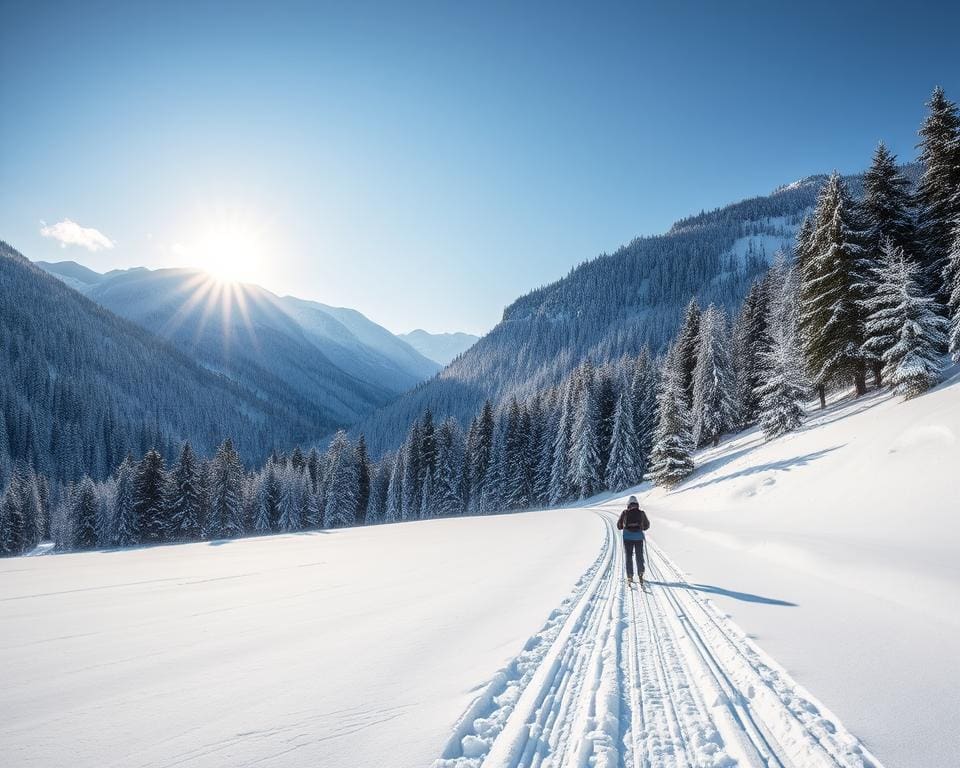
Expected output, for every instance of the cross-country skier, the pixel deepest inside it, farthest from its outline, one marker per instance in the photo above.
(633, 522)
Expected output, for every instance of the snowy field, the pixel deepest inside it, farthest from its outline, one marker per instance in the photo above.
(351, 648)
(837, 549)
(513, 640)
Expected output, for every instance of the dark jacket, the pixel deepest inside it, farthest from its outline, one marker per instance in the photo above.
(632, 524)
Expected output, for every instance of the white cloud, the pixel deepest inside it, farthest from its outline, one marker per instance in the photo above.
(68, 232)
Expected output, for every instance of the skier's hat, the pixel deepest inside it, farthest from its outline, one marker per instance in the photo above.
(633, 500)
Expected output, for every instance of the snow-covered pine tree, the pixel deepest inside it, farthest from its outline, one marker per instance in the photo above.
(394, 509)
(291, 498)
(560, 489)
(412, 475)
(448, 493)
(84, 513)
(183, 497)
(149, 507)
(605, 392)
(106, 495)
(340, 505)
(379, 489)
(937, 193)
(427, 508)
(782, 389)
(905, 324)
(586, 472)
(671, 459)
(643, 394)
(479, 458)
(953, 303)
(831, 317)
(713, 386)
(260, 524)
(548, 434)
(226, 478)
(886, 214)
(125, 530)
(687, 344)
(749, 338)
(623, 468)
(9, 512)
(514, 475)
(362, 459)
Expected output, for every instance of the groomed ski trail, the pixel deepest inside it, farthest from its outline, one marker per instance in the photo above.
(623, 677)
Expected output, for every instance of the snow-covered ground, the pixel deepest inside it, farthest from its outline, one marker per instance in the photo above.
(514, 641)
(347, 648)
(838, 549)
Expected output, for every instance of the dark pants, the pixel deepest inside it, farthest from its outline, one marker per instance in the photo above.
(631, 548)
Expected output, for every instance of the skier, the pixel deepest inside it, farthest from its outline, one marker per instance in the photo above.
(633, 522)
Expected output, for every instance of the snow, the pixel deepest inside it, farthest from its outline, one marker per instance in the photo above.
(356, 647)
(800, 611)
(836, 549)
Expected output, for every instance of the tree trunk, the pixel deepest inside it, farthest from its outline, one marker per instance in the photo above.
(716, 440)
(822, 391)
(860, 380)
(877, 373)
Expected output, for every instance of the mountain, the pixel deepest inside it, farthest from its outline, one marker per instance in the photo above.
(80, 387)
(442, 348)
(611, 306)
(287, 348)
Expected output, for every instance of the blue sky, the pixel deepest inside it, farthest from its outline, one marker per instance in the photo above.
(427, 163)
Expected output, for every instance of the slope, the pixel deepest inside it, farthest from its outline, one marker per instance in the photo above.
(836, 547)
(79, 387)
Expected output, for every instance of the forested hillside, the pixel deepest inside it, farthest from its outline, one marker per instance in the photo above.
(81, 387)
(609, 306)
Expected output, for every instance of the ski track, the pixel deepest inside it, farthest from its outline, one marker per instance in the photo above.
(623, 677)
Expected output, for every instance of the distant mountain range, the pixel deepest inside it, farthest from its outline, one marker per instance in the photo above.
(286, 348)
(442, 348)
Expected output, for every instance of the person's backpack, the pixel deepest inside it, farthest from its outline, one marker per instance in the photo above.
(636, 520)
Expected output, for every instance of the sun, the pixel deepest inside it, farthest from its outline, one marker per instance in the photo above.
(230, 250)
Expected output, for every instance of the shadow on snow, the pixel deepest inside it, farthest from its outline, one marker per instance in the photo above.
(746, 597)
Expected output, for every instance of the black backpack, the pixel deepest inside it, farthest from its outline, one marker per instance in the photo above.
(635, 520)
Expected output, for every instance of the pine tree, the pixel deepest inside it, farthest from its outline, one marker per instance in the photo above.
(782, 389)
(183, 497)
(261, 511)
(906, 326)
(125, 521)
(291, 498)
(831, 318)
(479, 456)
(623, 468)
(643, 394)
(448, 493)
(671, 460)
(379, 490)
(560, 488)
(749, 338)
(362, 460)
(340, 505)
(586, 472)
(514, 476)
(688, 341)
(394, 508)
(937, 193)
(953, 272)
(713, 387)
(226, 479)
(886, 216)
(84, 514)
(149, 508)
